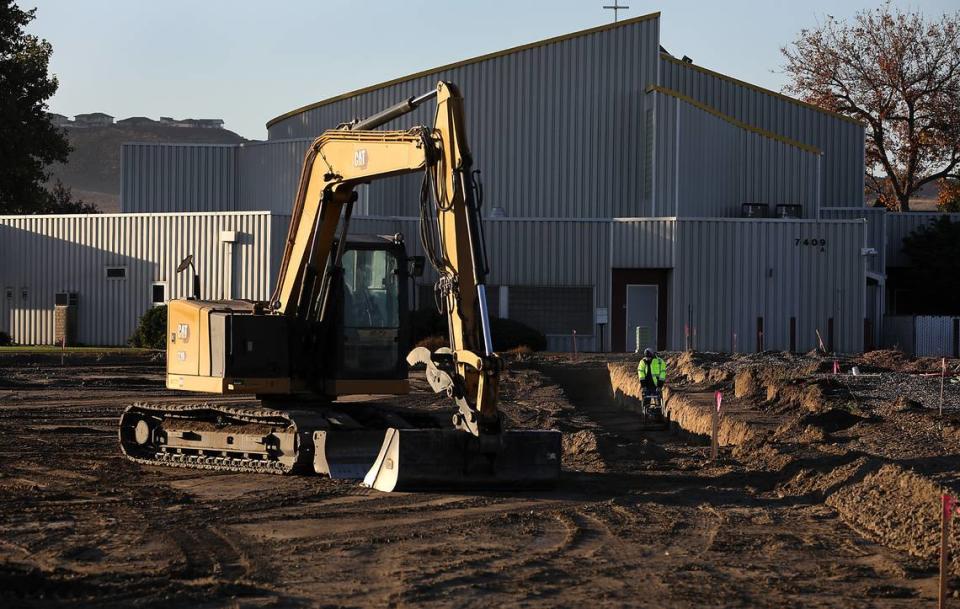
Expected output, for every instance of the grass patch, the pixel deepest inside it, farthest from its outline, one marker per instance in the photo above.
(56, 349)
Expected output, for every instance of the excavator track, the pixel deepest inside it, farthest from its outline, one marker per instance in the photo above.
(220, 437)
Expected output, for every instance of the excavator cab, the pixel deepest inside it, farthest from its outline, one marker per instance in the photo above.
(372, 309)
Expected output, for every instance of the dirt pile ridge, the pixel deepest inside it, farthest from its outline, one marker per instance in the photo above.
(898, 508)
(866, 446)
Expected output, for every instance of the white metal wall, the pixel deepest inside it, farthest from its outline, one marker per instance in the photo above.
(43, 255)
(840, 138)
(707, 165)
(554, 126)
(729, 272)
(934, 336)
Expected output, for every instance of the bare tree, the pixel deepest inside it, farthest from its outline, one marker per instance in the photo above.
(897, 73)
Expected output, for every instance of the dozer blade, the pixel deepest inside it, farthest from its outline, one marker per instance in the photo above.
(346, 455)
(415, 459)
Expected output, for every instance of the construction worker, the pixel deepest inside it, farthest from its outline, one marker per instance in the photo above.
(652, 372)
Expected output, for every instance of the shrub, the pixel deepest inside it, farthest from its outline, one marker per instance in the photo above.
(428, 327)
(151, 332)
(426, 323)
(4, 338)
(510, 334)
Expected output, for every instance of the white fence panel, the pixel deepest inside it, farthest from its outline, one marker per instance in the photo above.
(934, 336)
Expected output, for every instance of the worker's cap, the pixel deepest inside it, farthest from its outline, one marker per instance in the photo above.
(648, 352)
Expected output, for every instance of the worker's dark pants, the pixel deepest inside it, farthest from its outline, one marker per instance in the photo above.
(648, 386)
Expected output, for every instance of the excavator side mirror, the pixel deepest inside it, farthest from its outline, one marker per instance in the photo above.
(415, 266)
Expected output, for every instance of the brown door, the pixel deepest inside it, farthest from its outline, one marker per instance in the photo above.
(635, 287)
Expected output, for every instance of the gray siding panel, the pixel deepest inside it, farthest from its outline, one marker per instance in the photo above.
(722, 166)
(643, 243)
(178, 177)
(269, 174)
(876, 231)
(49, 254)
(591, 85)
(730, 272)
(260, 176)
(841, 141)
(901, 224)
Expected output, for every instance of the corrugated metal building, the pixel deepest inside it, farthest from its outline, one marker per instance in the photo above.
(118, 265)
(621, 172)
(840, 138)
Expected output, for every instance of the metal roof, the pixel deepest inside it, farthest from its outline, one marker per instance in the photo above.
(457, 64)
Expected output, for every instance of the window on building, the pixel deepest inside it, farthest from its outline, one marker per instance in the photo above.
(553, 310)
(116, 272)
(158, 293)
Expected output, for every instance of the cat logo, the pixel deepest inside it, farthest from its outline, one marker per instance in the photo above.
(360, 158)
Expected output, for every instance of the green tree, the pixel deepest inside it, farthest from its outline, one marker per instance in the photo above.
(61, 201)
(29, 142)
(151, 332)
(899, 74)
(934, 251)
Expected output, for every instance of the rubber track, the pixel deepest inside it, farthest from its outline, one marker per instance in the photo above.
(254, 414)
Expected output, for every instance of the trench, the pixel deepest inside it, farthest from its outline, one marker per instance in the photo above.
(620, 426)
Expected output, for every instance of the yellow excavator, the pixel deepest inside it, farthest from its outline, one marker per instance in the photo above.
(336, 327)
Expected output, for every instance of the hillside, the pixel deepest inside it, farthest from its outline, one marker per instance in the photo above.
(93, 170)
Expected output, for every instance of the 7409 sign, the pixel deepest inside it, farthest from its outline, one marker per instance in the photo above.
(821, 243)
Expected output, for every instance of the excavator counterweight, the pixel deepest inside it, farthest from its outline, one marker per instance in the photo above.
(335, 326)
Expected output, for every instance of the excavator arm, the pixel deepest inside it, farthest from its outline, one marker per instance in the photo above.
(340, 160)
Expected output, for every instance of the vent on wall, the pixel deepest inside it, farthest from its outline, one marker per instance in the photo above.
(755, 210)
(116, 272)
(63, 299)
(789, 211)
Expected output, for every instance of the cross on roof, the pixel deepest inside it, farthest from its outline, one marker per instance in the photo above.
(616, 7)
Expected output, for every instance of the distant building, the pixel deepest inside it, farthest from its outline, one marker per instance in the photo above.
(203, 123)
(95, 119)
(59, 120)
(136, 121)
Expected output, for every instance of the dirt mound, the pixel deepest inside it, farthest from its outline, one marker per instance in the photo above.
(700, 367)
(897, 507)
(896, 361)
(623, 379)
(819, 482)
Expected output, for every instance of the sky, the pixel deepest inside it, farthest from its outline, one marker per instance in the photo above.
(247, 62)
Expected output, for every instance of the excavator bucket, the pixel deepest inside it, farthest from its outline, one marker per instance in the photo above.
(346, 455)
(418, 459)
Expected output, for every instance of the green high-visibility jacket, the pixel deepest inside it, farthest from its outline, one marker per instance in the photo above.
(658, 370)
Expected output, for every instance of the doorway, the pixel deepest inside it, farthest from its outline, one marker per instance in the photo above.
(641, 326)
(639, 300)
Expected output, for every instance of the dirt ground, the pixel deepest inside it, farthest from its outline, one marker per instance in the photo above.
(640, 517)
